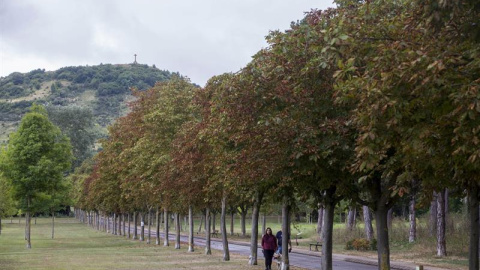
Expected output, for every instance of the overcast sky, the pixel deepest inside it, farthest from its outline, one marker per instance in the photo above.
(198, 38)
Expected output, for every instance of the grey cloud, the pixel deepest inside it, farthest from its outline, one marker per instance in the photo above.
(199, 39)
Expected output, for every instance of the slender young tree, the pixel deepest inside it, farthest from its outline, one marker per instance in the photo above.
(223, 229)
(441, 243)
(35, 160)
(208, 249)
(166, 225)
(412, 236)
(243, 211)
(177, 230)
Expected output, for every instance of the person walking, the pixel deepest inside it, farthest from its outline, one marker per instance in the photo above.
(279, 238)
(269, 245)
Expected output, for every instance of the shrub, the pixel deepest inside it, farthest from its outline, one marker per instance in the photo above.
(373, 244)
(361, 244)
(349, 245)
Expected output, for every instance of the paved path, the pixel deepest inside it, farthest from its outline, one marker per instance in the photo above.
(304, 260)
(300, 258)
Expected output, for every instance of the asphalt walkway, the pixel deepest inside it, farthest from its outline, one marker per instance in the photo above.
(298, 257)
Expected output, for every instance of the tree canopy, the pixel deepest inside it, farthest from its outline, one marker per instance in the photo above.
(35, 160)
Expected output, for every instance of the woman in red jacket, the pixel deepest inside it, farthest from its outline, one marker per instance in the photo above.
(269, 245)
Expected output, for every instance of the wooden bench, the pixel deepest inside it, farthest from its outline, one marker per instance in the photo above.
(317, 244)
(214, 233)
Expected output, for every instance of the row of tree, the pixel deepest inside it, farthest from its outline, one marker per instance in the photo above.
(366, 102)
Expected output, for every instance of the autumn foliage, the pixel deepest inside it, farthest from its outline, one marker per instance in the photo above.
(349, 103)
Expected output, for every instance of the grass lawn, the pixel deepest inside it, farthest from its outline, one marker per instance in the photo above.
(77, 246)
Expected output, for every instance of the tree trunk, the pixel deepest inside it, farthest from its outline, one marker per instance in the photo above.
(114, 224)
(104, 224)
(327, 252)
(214, 218)
(135, 223)
(232, 220)
(149, 220)
(142, 226)
(166, 243)
(161, 219)
(433, 215)
(157, 229)
(177, 231)
(119, 224)
(242, 223)
(413, 223)
(473, 262)
(223, 225)
(185, 218)
(201, 223)
(254, 237)
(119, 228)
(367, 218)
(124, 226)
(28, 229)
(108, 223)
(0, 225)
(352, 212)
(441, 243)
(285, 228)
(53, 223)
(129, 227)
(383, 247)
(390, 218)
(191, 247)
(27, 226)
(445, 198)
(264, 223)
(208, 250)
(320, 220)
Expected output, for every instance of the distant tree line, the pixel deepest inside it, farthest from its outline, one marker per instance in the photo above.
(106, 85)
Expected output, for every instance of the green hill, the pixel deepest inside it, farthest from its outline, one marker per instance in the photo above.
(104, 89)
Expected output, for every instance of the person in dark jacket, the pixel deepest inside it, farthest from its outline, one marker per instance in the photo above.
(269, 245)
(279, 238)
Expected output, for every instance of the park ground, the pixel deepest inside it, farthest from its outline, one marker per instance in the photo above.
(78, 246)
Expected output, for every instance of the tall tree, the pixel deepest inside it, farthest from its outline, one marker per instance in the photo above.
(78, 124)
(410, 93)
(7, 204)
(36, 158)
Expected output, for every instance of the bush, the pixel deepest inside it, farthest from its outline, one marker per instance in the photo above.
(361, 244)
(349, 245)
(373, 244)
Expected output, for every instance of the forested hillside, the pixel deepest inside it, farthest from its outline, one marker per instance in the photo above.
(102, 89)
